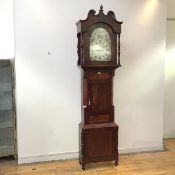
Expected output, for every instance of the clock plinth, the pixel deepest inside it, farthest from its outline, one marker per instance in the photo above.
(99, 56)
(98, 143)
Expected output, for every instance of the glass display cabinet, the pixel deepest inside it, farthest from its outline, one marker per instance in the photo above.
(7, 109)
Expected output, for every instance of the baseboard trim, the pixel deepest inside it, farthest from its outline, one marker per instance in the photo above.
(169, 136)
(139, 149)
(49, 157)
(74, 155)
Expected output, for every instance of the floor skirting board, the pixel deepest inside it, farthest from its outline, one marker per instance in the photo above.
(169, 136)
(74, 155)
(49, 157)
(139, 149)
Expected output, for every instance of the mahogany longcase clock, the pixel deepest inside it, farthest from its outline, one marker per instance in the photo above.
(98, 56)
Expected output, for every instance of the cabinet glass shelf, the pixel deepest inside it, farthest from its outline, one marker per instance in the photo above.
(5, 78)
(6, 118)
(7, 150)
(3, 91)
(6, 137)
(6, 100)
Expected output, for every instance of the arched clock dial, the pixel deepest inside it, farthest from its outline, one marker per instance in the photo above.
(100, 45)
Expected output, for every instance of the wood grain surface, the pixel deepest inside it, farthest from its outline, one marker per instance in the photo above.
(154, 163)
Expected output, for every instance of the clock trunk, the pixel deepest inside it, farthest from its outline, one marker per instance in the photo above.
(98, 105)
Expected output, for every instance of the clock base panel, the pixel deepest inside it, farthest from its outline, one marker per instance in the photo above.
(98, 143)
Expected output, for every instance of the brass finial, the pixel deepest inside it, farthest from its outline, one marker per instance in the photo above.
(101, 7)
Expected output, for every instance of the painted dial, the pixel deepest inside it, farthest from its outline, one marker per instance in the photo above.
(100, 45)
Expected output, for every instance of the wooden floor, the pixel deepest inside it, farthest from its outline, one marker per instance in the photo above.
(155, 163)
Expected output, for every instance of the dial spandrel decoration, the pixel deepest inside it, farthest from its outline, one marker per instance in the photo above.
(100, 45)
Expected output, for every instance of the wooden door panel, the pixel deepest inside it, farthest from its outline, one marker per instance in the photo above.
(99, 97)
(100, 143)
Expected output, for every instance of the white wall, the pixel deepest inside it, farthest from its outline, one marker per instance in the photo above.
(169, 112)
(6, 29)
(48, 85)
(139, 83)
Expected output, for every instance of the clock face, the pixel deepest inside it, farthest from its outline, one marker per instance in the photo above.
(100, 45)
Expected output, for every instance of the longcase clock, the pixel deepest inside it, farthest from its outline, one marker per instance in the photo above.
(98, 56)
